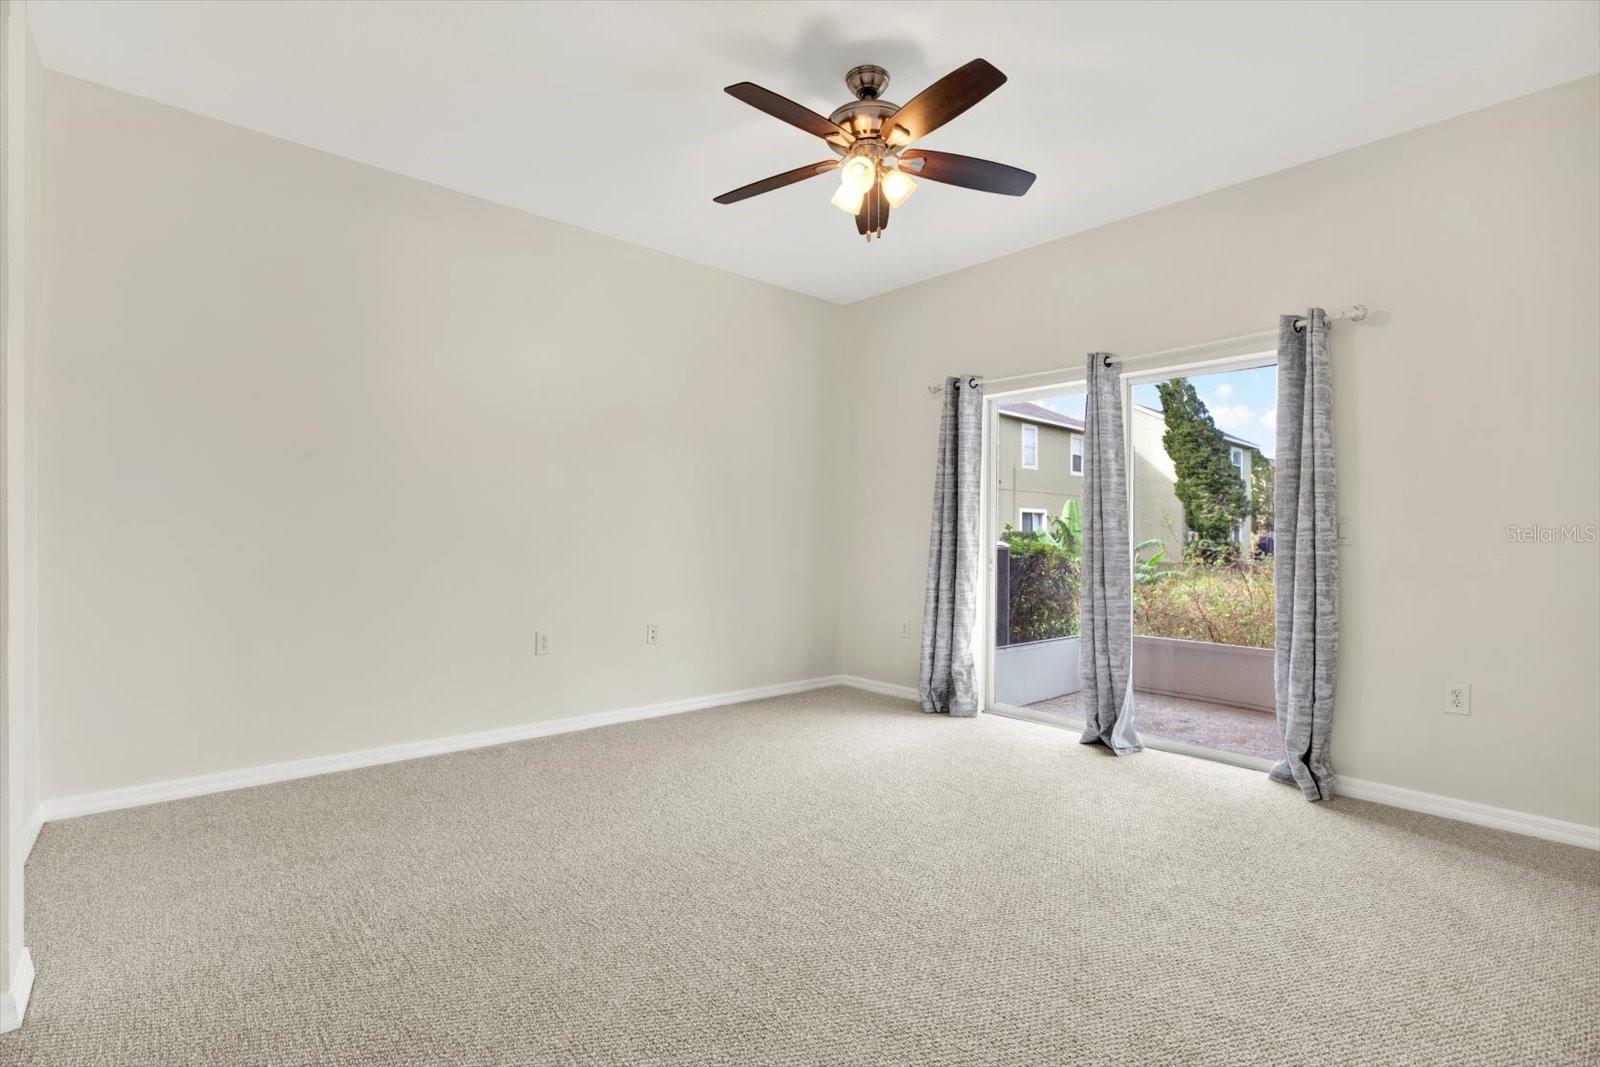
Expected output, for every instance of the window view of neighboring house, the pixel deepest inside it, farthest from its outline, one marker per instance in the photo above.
(1039, 464)
(1040, 467)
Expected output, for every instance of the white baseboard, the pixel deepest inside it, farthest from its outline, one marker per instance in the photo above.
(14, 998)
(1540, 826)
(135, 796)
(1518, 822)
(888, 689)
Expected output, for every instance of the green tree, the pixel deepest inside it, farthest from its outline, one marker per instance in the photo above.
(1208, 485)
(1260, 493)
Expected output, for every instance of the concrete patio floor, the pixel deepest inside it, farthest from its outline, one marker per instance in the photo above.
(1244, 731)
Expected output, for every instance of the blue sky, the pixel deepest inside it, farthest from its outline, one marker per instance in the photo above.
(1242, 402)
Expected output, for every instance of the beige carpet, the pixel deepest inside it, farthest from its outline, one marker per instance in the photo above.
(832, 878)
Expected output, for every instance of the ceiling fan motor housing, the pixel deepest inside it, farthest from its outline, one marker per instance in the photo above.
(864, 115)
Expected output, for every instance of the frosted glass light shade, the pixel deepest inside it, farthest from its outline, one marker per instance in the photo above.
(847, 199)
(898, 187)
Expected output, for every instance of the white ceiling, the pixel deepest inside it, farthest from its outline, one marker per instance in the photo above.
(612, 117)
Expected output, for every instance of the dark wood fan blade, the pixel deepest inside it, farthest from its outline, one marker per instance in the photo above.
(777, 181)
(874, 213)
(941, 102)
(780, 107)
(967, 172)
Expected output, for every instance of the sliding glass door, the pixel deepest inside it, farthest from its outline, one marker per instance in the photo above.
(1036, 492)
(1201, 450)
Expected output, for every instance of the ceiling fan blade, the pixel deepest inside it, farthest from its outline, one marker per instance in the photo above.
(777, 181)
(781, 107)
(967, 172)
(874, 212)
(941, 102)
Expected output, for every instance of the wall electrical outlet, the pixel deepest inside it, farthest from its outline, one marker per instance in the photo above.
(652, 633)
(1458, 699)
(541, 644)
(905, 631)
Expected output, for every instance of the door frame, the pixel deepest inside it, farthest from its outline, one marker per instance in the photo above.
(1132, 372)
(990, 533)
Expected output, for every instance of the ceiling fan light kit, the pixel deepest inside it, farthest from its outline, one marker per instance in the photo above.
(872, 136)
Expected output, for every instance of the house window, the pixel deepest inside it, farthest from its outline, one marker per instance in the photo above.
(1236, 455)
(1032, 519)
(1076, 463)
(1030, 447)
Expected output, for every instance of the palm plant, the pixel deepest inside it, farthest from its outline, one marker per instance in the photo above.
(1148, 557)
(1066, 530)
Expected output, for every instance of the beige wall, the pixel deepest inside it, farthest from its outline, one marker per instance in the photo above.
(1478, 242)
(323, 447)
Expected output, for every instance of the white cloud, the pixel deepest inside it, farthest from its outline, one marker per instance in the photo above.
(1269, 420)
(1234, 418)
(1224, 391)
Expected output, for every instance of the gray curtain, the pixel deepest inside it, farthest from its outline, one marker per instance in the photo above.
(950, 599)
(1105, 644)
(1305, 544)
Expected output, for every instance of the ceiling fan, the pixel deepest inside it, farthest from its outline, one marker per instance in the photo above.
(877, 169)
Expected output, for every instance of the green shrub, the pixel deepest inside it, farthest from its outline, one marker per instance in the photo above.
(1203, 552)
(1044, 578)
(1212, 596)
(1044, 589)
(1224, 603)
